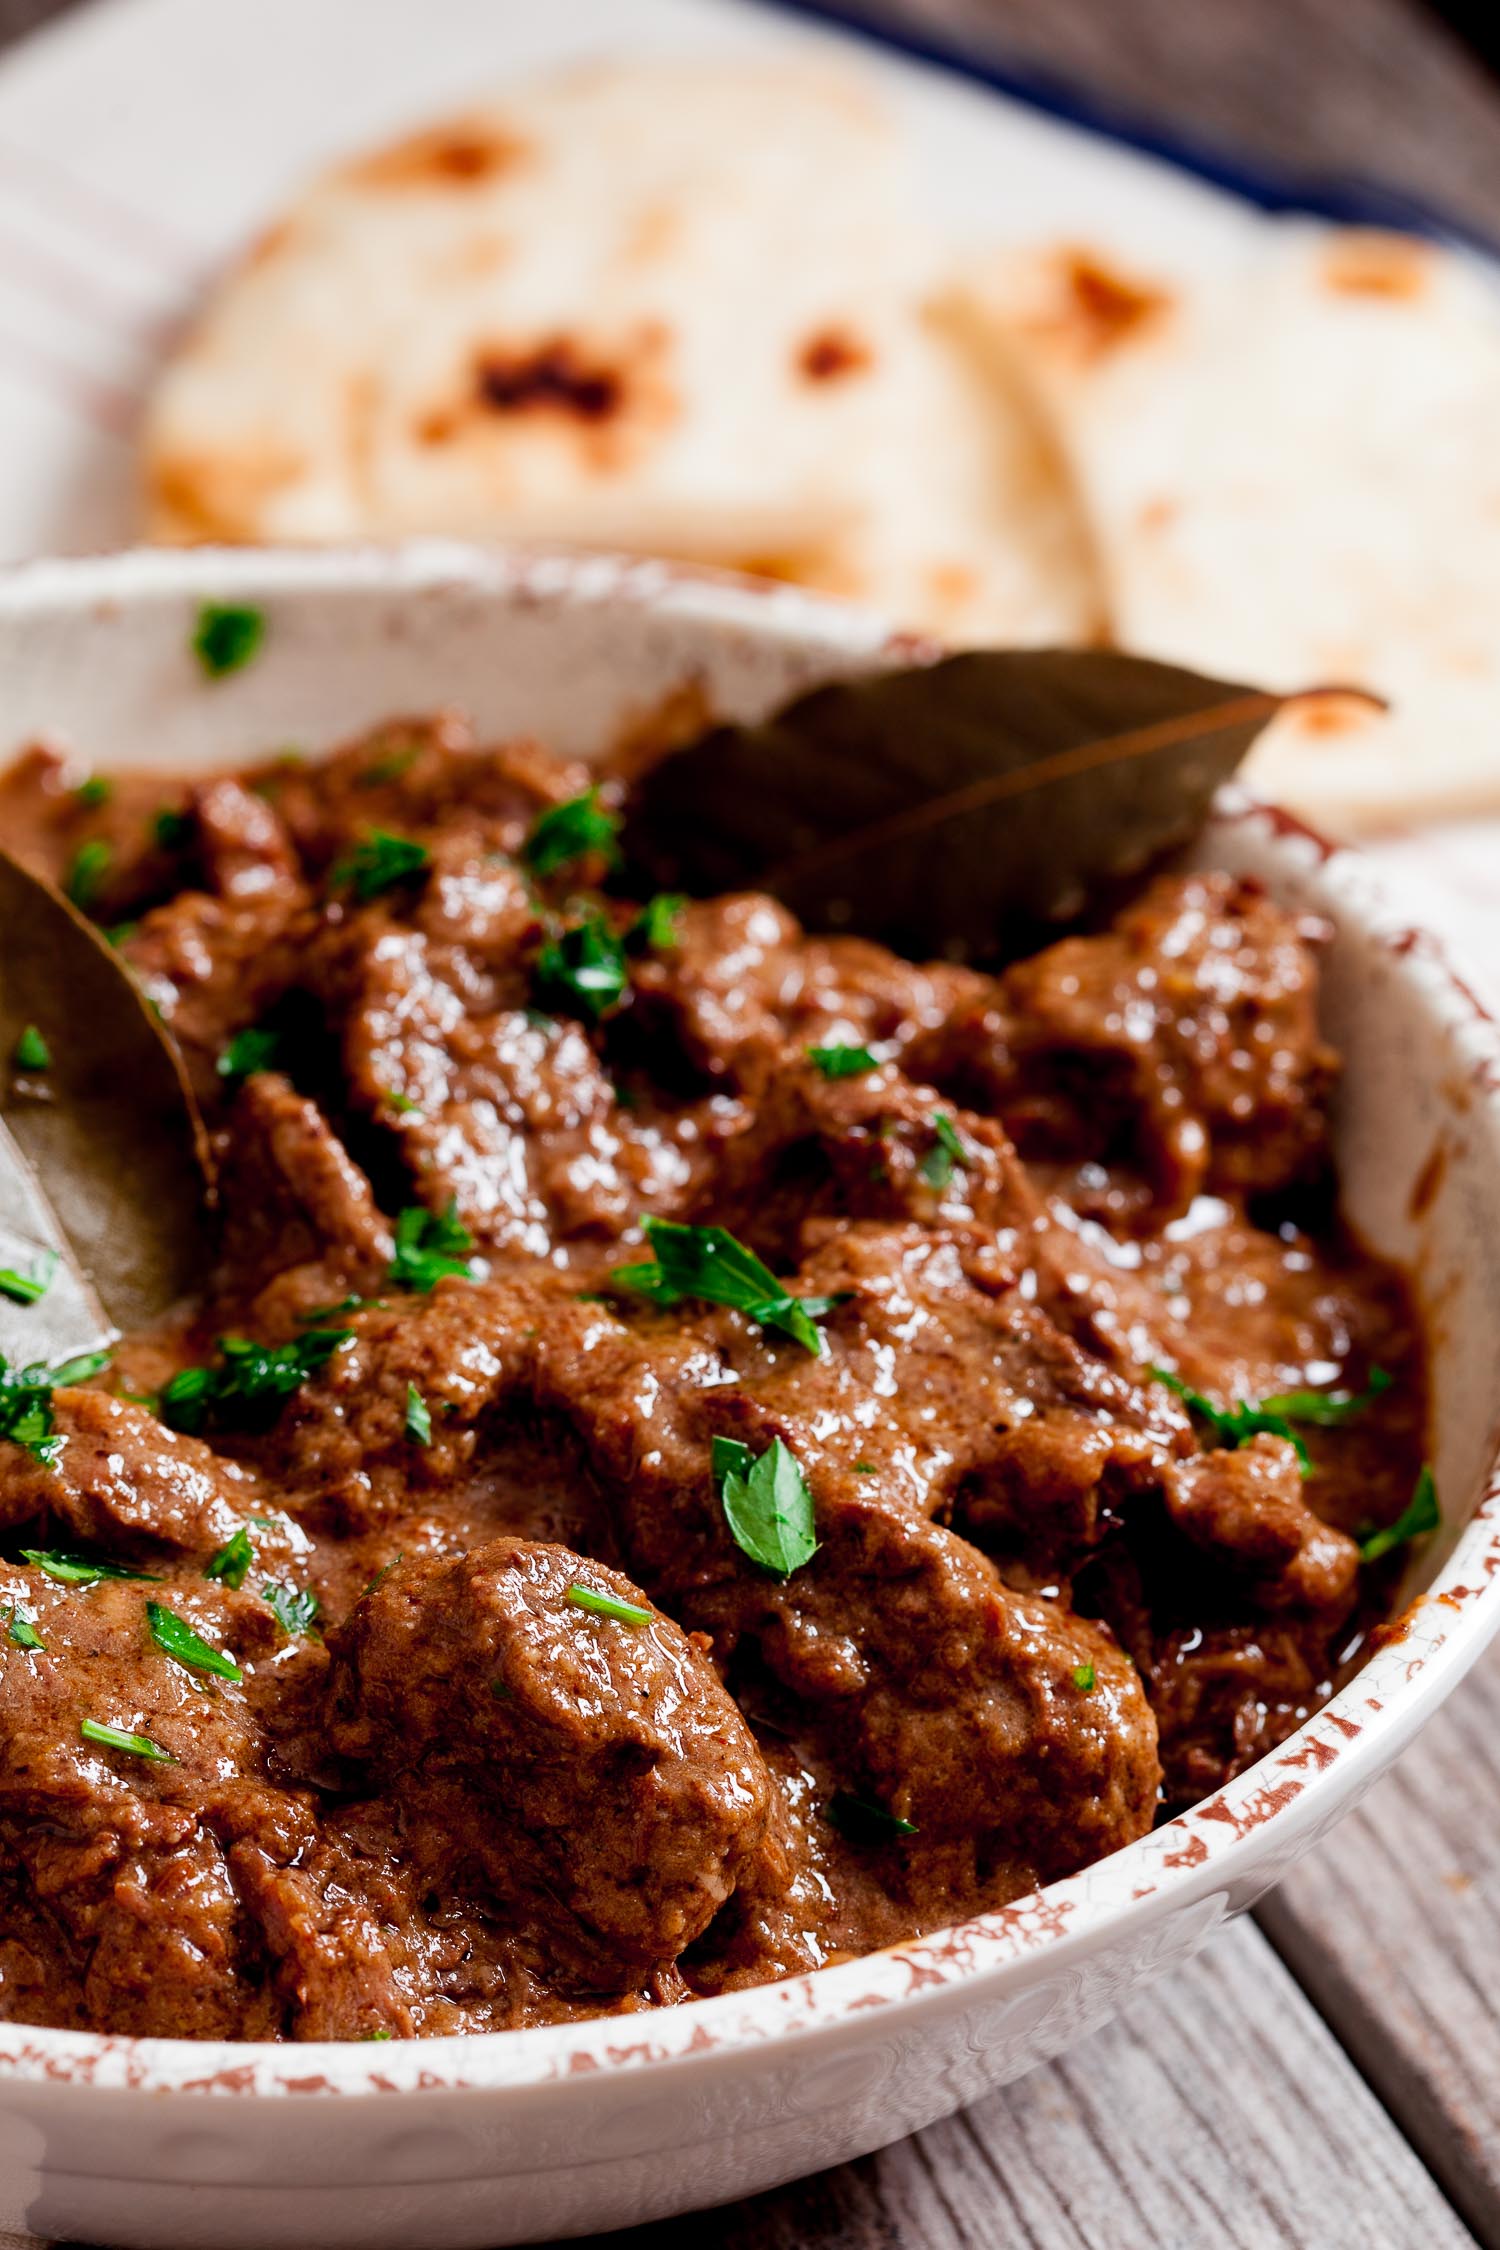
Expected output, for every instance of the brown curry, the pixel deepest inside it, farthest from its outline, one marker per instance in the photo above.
(438, 1629)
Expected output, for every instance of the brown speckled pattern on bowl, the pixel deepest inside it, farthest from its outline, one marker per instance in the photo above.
(518, 2136)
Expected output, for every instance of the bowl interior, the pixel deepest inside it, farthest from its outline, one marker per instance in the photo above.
(96, 657)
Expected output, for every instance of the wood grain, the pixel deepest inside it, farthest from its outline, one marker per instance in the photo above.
(1221, 2109)
(1393, 1928)
(1378, 90)
(1218, 2110)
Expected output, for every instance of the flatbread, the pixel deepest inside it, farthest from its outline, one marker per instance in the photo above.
(679, 308)
(1291, 476)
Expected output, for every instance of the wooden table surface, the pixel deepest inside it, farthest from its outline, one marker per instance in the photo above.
(1327, 2075)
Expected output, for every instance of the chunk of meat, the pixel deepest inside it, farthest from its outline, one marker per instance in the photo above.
(591, 1768)
(125, 1482)
(300, 1222)
(1245, 1507)
(118, 1880)
(1184, 1039)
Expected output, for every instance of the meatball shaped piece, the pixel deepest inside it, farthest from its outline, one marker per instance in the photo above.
(588, 1769)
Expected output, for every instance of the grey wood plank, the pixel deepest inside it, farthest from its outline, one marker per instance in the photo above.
(1392, 1926)
(1218, 2109)
(1378, 89)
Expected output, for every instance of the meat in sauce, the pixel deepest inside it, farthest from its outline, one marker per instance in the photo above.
(588, 1645)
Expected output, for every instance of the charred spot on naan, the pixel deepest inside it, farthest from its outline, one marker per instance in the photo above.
(462, 153)
(831, 353)
(1365, 263)
(613, 398)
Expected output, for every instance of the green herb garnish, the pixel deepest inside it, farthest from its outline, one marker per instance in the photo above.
(86, 872)
(248, 1051)
(606, 1605)
(1232, 1426)
(402, 1104)
(566, 832)
(842, 1062)
(390, 768)
(379, 863)
(94, 792)
(121, 933)
(582, 971)
(31, 1051)
(655, 928)
(172, 829)
(864, 1468)
(295, 1607)
(1420, 1515)
(418, 1417)
(79, 1369)
(68, 1569)
(28, 1288)
(767, 1504)
(251, 1383)
(227, 636)
(230, 1563)
(1084, 1678)
(115, 1738)
(430, 1245)
(22, 1630)
(186, 1647)
(864, 1823)
(1325, 1410)
(936, 1167)
(708, 1262)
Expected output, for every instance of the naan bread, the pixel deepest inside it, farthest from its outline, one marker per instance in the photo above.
(1292, 478)
(677, 308)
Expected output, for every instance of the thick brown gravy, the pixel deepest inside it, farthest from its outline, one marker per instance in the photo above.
(435, 1791)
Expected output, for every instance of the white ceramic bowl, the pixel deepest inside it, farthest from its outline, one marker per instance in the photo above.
(519, 2136)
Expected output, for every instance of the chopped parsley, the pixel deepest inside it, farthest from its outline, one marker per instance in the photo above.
(864, 1468)
(767, 1504)
(581, 972)
(28, 1288)
(709, 1262)
(31, 1051)
(1084, 1678)
(295, 1607)
(26, 1401)
(842, 1062)
(251, 1383)
(861, 1822)
(231, 1562)
(390, 768)
(172, 829)
(94, 792)
(1420, 1515)
(227, 636)
(249, 1050)
(22, 1629)
(115, 1738)
(429, 1246)
(1326, 1410)
(378, 863)
(86, 872)
(655, 929)
(1236, 1425)
(606, 1605)
(936, 1167)
(418, 1417)
(121, 933)
(402, 1104)
(568, 831)
(186, 1647)
(68, 1569)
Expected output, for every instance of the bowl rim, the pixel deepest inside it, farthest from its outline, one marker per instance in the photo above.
(1288, 1793)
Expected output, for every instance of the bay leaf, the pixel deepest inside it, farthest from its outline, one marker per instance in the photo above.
(955, 808)
(103, 1159)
